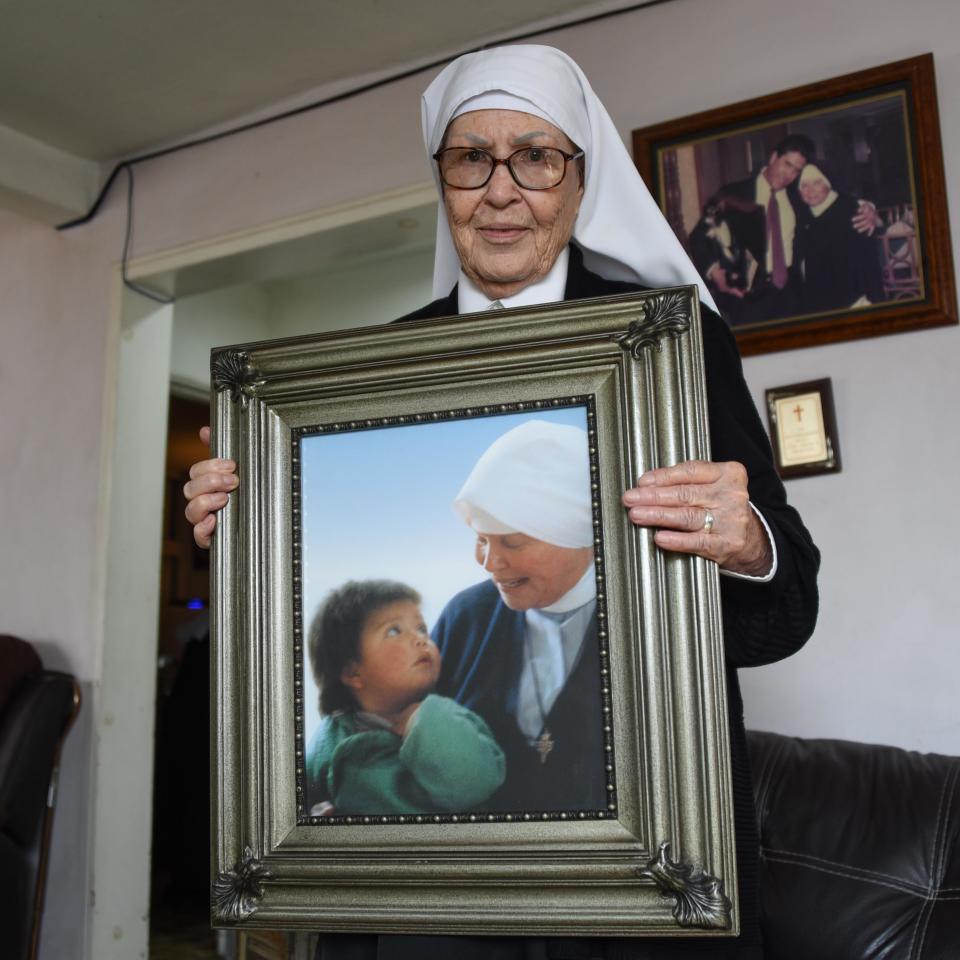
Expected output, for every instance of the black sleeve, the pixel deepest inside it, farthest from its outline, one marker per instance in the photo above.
(763, 622)
(702, 249)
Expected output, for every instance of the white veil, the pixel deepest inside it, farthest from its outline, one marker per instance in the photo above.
(620, 229)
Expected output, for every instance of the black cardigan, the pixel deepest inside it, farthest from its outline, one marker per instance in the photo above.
(762, 622)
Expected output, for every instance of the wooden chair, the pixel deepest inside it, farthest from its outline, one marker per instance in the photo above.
(901, 270)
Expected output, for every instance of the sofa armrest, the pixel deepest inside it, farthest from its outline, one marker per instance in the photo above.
(860, 850)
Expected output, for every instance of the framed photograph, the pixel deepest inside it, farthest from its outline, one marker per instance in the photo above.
(803, 429)
(394, 752)
(816, 214)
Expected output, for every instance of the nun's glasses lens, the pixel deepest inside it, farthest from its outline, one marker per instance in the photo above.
(533, 168)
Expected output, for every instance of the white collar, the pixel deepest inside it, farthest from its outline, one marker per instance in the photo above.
(824, 204)
(549, 289)
(583, 591)
(763, 189)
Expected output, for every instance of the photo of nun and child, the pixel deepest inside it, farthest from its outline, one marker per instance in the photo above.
(500, 709)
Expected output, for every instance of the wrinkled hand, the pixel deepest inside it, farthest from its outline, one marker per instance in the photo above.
(206, 492)
(718, 277)
(676, 500)
(866, 219)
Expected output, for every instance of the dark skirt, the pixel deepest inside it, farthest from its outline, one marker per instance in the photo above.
(372, 947)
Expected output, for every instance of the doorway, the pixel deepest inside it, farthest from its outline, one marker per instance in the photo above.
(221, 296)
(180, 865)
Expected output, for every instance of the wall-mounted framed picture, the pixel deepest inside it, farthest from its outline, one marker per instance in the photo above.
(367, 617)
(816, 214)
(803, 428)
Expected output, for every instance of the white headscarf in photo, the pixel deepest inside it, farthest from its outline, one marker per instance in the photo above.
(812, 172)
(809, 174)
(534, 479)
(620, 229)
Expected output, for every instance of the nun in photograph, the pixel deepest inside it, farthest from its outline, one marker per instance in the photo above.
(520, 648)
(840, 267)
(541, 202)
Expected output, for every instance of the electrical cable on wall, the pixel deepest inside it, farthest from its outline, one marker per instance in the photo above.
(127, 282)
(296, 111)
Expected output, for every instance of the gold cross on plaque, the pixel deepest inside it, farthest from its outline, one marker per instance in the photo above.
(544, 745)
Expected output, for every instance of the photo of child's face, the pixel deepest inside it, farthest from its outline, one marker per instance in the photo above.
(398, 664)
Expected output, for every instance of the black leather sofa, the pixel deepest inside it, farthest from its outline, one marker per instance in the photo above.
(37, 708)
(860, 850)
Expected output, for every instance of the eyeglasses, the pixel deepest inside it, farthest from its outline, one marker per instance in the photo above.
(533, 168)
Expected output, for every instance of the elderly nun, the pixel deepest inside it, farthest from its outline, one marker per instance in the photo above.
(540, 203)
(840, 267)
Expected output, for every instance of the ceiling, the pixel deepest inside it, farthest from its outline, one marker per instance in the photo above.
(86, 84)
(107, 79)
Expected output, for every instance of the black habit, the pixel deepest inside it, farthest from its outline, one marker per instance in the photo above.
(763, 623)
(481, 642)
(840, 265)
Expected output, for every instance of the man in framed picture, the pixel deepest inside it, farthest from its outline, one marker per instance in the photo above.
(746, 243)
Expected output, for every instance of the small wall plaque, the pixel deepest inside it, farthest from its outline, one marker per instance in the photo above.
(803, 429)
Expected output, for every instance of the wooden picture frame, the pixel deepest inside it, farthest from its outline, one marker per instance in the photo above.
(658, 857)
(879, 131)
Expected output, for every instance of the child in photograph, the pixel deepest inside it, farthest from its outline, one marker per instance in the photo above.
(387, 744)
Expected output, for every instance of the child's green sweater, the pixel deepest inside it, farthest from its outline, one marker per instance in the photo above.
(448, 761)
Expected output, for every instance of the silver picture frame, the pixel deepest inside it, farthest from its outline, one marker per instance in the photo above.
(659, 857)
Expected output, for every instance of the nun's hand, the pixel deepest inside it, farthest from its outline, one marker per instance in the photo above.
(866, 220)
(206, 493)
(702, 508)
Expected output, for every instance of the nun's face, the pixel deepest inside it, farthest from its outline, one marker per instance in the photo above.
(508, 237)
(814, 191)
(529, 573)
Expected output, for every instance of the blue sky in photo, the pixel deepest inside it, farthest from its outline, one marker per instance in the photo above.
(377, 503)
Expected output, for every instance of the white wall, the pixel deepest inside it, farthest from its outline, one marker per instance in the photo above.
(233, 315)
(361, 296)
(42, 182)
(883, 663)
(54, 300)
(123, 713)
(56, 344)
(885, 658)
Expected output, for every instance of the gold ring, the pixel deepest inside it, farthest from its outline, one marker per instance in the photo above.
(707, 521)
